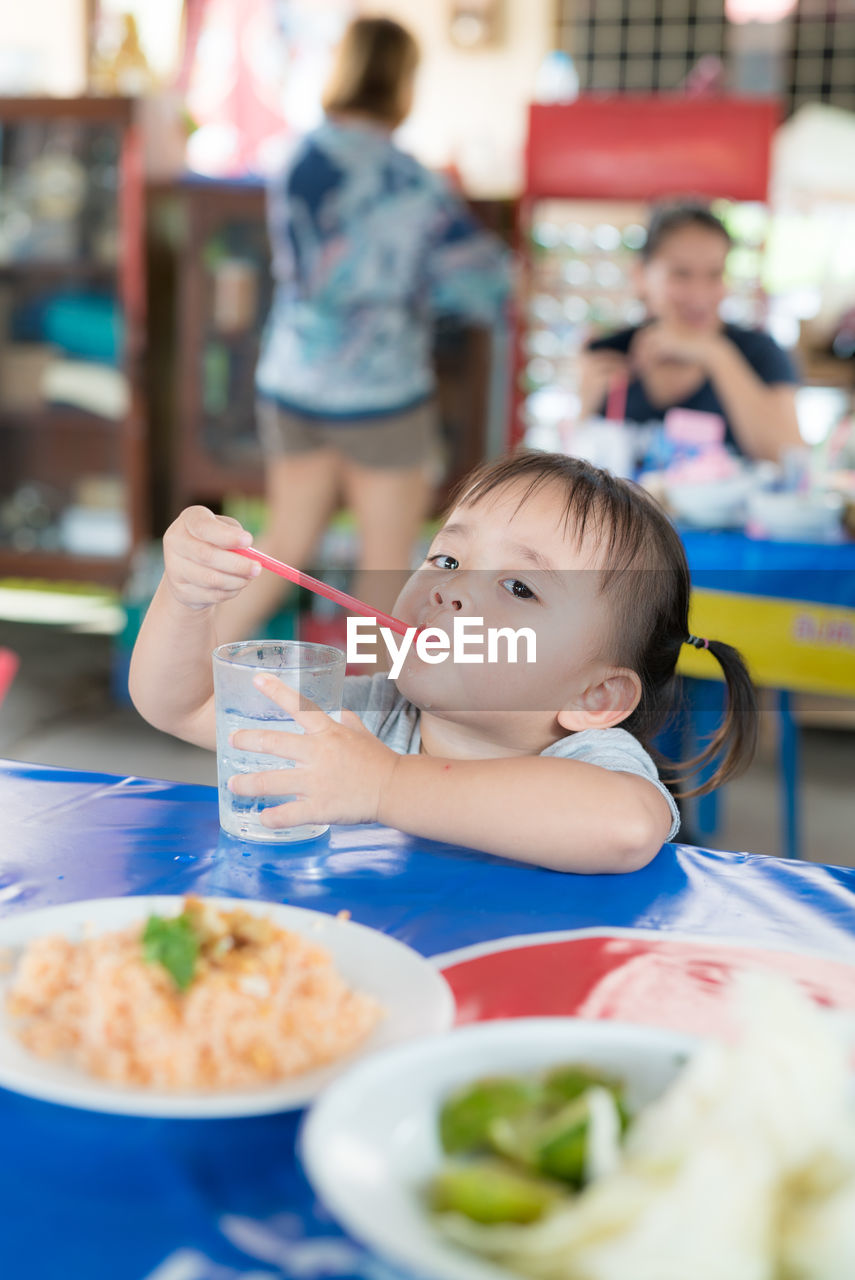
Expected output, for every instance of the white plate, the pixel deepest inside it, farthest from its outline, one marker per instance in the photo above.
(416, 999)
(713, 504)
(370, 1144)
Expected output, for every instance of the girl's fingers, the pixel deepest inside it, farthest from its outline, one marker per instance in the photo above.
(213, 579)
(209, 567)
(307, 714)
(293, 814)
(223, 531)
(271, 742)
(268, 782)
(222, 558)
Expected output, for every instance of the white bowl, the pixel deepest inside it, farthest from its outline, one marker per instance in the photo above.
(370, 1144)
(711, 504)
(795, 517)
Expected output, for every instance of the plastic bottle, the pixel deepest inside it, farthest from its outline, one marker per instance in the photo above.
(557, 79)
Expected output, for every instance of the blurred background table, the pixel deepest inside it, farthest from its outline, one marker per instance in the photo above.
(789, 607)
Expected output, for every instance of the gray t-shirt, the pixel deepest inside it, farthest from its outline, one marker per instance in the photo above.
(397, 723)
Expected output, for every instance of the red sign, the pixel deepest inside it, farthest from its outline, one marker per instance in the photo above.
(630, 147)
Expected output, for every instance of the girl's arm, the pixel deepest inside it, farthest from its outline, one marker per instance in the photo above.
(563, 814)
(763, 415)
(171, 678)
(597, 369)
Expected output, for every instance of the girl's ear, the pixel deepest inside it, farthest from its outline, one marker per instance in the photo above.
(603, 705)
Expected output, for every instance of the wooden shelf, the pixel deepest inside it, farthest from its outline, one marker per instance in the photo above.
(62, 447)
(57, 418)
(86, 109)
(59, 566)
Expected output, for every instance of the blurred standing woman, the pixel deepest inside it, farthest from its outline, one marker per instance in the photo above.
(368, 247)
(683, 355)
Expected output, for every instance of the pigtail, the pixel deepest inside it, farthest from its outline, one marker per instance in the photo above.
(736, 738)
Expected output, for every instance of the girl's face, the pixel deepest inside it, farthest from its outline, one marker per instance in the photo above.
(512, 566)
(683, 283)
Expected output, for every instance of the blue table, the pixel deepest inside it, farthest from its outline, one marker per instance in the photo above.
(98, 1197)
(789, 607)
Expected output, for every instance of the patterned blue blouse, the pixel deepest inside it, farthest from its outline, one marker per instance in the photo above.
(368, 246)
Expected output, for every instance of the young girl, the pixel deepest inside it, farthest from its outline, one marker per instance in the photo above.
(683, 355)
(545, 761)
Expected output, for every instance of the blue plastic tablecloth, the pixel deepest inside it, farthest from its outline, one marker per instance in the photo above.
(728, 560)
(100, 1197)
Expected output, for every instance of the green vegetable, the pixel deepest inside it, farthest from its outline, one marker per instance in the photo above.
(465, 1118)
(566, 1083)
(554, 1144)
(560, 1145)
(549, 1134)
(563, 1084)
(174, 944)
(487, 1192)
(550, 1143)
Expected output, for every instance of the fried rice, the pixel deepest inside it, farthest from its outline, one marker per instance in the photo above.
(263, 1004)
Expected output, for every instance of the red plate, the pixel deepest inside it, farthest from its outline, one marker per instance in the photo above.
(629, 975)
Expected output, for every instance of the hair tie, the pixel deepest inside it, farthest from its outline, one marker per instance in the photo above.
(698, 641)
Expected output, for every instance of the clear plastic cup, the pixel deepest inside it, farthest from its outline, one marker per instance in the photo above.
(317, 672)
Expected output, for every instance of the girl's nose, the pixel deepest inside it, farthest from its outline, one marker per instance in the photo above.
(447, 596)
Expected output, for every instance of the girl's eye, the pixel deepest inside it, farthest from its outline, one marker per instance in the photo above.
(518, 589)
(444, 562)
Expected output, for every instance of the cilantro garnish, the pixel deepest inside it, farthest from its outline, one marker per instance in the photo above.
(174, 944)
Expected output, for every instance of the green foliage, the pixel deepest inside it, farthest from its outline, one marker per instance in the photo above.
(174, 944)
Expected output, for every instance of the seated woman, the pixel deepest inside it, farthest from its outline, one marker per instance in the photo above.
(684, 355)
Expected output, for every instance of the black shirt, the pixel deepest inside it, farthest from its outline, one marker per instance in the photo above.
(769, 361)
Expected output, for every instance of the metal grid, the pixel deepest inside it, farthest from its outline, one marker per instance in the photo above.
(639, 45)
(821, 64)
(651, 45)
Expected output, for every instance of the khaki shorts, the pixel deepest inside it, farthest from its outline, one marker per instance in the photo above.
(397, 440)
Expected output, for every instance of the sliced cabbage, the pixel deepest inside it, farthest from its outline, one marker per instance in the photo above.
(743, 1170)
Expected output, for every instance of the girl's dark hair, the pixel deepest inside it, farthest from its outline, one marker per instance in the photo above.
(374, 65)
(646, 577)
(668, 218)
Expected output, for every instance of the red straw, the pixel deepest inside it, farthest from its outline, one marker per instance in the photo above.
(321, 588)
(616, 402)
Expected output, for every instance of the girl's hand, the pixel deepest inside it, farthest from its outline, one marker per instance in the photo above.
(660, 342)
(341, 771)
(200, 569)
